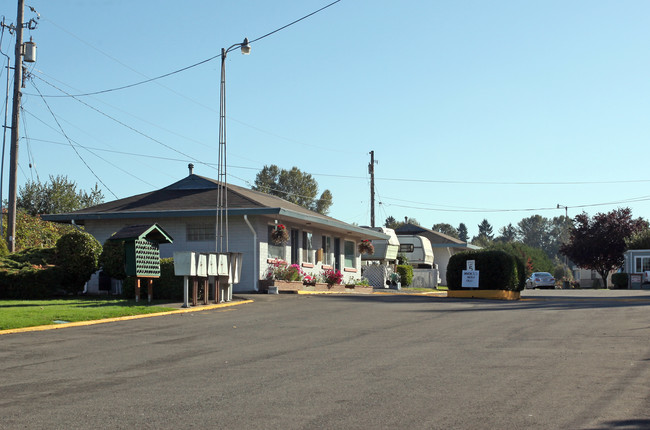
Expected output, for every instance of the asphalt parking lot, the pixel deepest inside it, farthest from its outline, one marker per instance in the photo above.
(556, 359)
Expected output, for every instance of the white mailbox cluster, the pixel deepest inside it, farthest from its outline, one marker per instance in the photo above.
(210, 264)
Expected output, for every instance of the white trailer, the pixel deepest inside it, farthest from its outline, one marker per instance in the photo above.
(385, 250)
(417, 250)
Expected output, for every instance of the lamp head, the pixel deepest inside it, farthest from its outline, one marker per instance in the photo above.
(245, 47)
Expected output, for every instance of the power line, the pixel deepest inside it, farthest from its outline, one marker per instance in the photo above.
(192, 65)
(122, 123)
(444, 181)
(73, 147)
(91, 151)
(485, 210)
(134, 154)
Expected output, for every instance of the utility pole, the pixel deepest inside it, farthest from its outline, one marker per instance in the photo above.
(15, 116)
(371, 170)
(29, 56)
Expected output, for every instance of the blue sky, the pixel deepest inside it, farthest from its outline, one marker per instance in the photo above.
(497, 110)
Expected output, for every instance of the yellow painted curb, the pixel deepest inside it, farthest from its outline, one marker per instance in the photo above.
(484, 294)
(423, 294)
(125, 318)
(328, 292)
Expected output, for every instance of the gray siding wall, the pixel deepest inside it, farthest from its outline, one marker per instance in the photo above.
(240, 240)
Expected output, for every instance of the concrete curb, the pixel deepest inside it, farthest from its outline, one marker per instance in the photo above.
(125, 318)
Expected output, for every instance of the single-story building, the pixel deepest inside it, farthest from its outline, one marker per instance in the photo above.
(444, 246)
(637, 262)
(187, 211)
(589, 278)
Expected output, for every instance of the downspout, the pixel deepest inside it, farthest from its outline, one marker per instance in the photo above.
(256, 272)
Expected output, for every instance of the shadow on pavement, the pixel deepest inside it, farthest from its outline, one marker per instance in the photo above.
(632, 424)
(550, 302)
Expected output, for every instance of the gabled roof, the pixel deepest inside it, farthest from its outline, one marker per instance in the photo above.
(153, 233)
(197, 196)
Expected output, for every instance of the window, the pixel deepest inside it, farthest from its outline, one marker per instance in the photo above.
(350, 257)
(327, 250)
(307, 254)
(200, 231)
(641, 264)
(407, 247)
(275, 251)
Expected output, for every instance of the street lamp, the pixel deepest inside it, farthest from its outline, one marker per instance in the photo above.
(222, 195)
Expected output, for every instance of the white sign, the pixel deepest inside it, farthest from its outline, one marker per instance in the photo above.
(471, 264)
(470, 279)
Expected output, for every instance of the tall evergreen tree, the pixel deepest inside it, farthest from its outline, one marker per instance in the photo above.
(485, 229)
(507, 234)
(462, 232)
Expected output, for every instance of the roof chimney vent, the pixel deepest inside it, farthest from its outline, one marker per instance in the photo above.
(191, 167)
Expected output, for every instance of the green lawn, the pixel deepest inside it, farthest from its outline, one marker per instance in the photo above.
(29, 313)
(425, 290)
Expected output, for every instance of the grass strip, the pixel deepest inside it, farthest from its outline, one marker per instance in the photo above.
(30, 313)
(424, 290)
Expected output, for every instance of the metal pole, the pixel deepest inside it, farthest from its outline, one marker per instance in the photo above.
(13, 155)
(222, 202)
(4, 141)
(371, 170)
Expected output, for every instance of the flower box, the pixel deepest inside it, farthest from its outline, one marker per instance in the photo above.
(280, 285)
(296, 286)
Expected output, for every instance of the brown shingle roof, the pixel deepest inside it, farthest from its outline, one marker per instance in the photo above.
(197, 196)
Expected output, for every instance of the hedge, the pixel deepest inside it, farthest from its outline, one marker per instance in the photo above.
(41, 273)
(405, 274)
(620, 280)
(77, 254)
(498, 270)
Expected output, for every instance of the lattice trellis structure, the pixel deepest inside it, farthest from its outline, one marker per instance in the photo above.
(377, 275)
(142, 258)
(141, 253)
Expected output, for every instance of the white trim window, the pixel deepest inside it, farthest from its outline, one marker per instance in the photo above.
(307, 246)
(326, 244)
(350, 255)
(641, 264)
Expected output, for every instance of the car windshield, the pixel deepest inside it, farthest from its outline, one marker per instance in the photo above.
(540, 274)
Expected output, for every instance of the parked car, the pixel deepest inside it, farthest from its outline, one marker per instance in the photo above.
(540, 280)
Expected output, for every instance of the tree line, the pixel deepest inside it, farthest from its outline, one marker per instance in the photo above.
(596, 243)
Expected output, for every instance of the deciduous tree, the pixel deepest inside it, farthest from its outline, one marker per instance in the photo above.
(56, 196)
(598, 243)
(294, 186)
(445, 228)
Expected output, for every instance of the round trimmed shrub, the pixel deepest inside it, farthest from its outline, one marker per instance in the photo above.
(498, 270)
(78, 257)
(405, 274)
